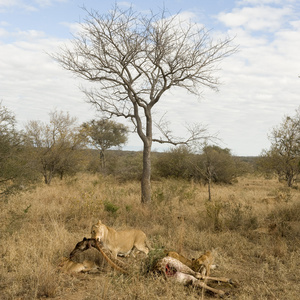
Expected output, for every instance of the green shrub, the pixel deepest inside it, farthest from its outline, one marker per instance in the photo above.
(110, 207)
(175, 163)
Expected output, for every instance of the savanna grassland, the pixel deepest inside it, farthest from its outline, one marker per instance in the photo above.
(252, 226)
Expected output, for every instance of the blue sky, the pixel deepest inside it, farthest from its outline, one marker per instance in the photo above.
(260, 83)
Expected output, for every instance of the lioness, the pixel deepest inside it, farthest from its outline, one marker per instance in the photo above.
(69, 266)
(120, 242)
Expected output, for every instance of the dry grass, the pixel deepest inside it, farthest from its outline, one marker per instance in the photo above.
(253, 227)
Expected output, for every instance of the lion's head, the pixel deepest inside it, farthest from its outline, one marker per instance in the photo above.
(97, 231)
(198, 266)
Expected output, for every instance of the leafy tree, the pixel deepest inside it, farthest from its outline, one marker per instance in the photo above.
(135, 59)
(14, 171)
(283, 158)
(54, 145)
(105, 134)
(217, 165)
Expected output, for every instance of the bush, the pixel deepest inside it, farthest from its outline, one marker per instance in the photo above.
(110, 207)
(125, 166)
(175, 163)
(214, 163)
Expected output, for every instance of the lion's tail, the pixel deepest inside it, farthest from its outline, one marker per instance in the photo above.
(114, 265)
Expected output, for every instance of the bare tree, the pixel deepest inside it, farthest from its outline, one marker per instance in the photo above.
(135, 58)
(54, 145)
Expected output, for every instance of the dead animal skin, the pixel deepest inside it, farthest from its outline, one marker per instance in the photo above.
(175, 269)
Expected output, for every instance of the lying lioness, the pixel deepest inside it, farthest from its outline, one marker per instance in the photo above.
(69, 266)
(87, 244)
(120, 242)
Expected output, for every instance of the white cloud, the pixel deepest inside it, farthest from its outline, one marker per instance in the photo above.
(3, 32)
(16, 4)
(7, 3)
(28, 35)
(125, 4)
(256, 18)
(268, 2)
(261, 82)
(43, 3)
(188, 16)
(73, 27)
(32, 84)
(27, 5)
(258, 2)
(4, 24)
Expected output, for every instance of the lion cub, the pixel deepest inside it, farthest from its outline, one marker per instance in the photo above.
(202, 265)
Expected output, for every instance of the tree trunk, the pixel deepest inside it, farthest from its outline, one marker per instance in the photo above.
(209, 191)
(146, 176)
(47, 177)
(209, 177)
(290, 178)
(102, 160)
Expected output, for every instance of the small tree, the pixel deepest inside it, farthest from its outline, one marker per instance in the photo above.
(283, 158)
(54, 145)
(135, 59)
(214, 164)
(209, 165)
(105, 134)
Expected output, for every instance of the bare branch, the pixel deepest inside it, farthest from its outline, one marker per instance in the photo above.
(136, 58)
(196, 132)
